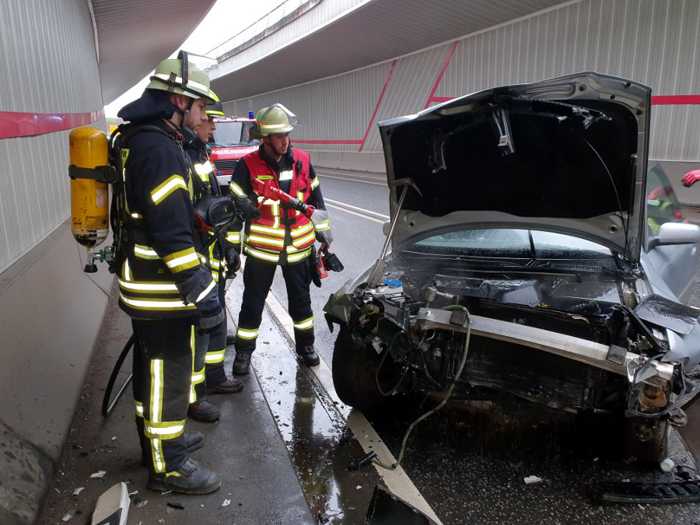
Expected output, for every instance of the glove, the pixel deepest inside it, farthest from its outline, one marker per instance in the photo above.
(691, 178)
(325, 237)
(313, 268)
(233, 262)
(201, 290)
(247, 208)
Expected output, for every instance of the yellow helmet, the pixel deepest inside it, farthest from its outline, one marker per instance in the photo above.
(275, 119)
(177, 75)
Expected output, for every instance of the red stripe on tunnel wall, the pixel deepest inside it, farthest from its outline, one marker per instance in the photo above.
(656, 100)
(18, 124)
(379, 103)
(441, 73)
(326, 141)
(675, 100)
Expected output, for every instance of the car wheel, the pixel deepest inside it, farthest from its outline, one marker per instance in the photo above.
(354, 373)
(646, 440)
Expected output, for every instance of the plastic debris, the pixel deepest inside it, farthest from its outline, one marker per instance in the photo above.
(226, 503)
(667, 465)
(531, 480)
(78, 490)
(99, 474)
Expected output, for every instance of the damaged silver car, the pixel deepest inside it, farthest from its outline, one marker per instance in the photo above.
(519, 262)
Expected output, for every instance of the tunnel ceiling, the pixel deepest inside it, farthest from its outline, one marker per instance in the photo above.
(377, 31)
(134, 35)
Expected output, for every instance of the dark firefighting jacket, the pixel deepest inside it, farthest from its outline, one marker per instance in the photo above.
(163, 249)
(204, 182)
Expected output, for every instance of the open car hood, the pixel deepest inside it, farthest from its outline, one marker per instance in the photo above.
(567, 155)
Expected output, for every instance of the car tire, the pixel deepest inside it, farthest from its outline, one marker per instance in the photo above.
(354, 373)
(646, 440)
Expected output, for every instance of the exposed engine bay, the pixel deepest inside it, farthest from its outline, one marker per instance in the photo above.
(567, 341)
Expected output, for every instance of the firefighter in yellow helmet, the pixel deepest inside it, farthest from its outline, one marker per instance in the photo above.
(276, 234)
(165, 284)
(222, 252)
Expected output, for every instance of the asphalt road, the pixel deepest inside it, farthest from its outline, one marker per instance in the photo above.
(471, 466)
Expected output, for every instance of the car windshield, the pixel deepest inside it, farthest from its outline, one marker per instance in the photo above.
(662, 203)
(515, 243)
(233, 133)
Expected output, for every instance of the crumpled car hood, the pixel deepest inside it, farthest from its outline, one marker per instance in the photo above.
(567, 155)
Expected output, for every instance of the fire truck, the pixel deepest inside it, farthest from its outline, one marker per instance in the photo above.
(232, 140)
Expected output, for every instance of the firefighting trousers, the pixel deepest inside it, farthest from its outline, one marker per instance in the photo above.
(216, 351)
(257, 280)
(162, 369)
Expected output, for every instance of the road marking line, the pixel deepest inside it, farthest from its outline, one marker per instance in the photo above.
(356, 208)
(397, 481)
(355, 213)
(353, 179)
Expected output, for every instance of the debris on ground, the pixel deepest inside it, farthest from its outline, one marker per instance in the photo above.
(139, 502)
(99, 474)
(226, 503)
(67, 517)
(78, 490)
(175, 505)
(531, 480)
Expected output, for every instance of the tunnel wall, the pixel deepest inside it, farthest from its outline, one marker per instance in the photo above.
(50, 311)
(654, 42)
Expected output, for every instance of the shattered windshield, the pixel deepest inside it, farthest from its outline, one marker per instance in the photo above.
(506, 242)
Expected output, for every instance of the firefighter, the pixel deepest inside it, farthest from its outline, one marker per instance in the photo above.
(165, 286)
(211, 347)
(277, 234)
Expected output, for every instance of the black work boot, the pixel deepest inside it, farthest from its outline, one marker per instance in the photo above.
(189, 478)
(241, 365)
(308, 356)
(230, 386)
(204, 411)
(193, 442)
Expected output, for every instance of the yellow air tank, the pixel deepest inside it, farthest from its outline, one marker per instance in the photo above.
(89, 194)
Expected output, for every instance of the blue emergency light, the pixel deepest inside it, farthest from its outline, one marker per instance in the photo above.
(251, 115)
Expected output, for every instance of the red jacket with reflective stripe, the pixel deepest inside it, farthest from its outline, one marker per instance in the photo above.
(269, 232)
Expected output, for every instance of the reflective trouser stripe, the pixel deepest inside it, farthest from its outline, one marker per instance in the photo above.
(198, 377)
(193, 350)
(306, 324)
(214, 357)
(169, 430)
(155, 413)
(247, 333)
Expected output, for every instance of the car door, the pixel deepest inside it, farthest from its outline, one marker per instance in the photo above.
(675, 265)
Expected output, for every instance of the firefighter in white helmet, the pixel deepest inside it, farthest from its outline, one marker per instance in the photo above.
(277, 235)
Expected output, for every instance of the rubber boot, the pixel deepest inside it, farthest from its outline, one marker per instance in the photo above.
(308, 356)
(204, 411)
(189, 478)
(230, 386)
(241, 365)
(193, 442)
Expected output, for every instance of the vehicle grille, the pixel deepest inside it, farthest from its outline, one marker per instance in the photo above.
(225, 166)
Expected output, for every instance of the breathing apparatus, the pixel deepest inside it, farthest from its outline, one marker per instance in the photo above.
(96, 163)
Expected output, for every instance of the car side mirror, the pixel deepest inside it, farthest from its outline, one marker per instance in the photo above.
(675, 233)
